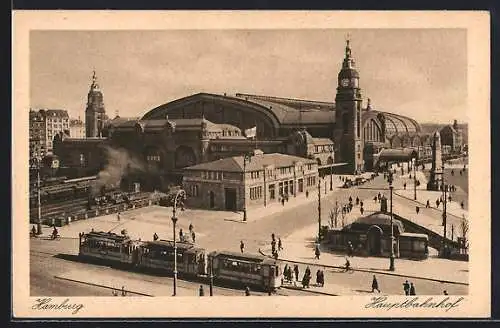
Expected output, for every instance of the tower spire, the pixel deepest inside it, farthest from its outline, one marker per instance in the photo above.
(348, 60)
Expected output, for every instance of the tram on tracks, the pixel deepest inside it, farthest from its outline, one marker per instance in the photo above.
(192, 262)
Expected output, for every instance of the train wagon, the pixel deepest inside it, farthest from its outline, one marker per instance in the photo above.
(159, 255)
(108, 247)
(246, 269)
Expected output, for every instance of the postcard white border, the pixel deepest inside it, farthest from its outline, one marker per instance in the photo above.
(476, 304)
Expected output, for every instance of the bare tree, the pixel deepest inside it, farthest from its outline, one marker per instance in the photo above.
(334, 214)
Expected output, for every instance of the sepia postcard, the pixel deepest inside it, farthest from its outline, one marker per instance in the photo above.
(196, 164)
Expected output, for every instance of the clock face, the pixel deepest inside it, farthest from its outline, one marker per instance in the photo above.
(345, 82)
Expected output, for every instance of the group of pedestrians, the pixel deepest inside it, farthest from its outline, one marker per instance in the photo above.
(409, 288)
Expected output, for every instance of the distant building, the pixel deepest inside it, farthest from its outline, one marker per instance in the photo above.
(95, 113)
(44, 125)
(228, 184)
(77, 128)
(451, 136)
(37, 138)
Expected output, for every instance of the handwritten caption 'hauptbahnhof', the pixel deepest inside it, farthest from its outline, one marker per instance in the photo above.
(383, 302)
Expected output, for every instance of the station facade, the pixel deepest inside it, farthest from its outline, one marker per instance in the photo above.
(343, 136)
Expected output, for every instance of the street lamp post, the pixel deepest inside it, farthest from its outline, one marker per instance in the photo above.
(37, 164)
(415, 179)
(331, 174)
(444, 187)
(391, 258)
(211, 276)
(180, 193)
(246, 158)
(319, 210)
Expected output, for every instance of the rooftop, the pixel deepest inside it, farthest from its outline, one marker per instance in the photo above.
(257, 162)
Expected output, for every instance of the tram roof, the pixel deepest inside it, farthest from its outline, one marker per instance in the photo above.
(169, 244)
(240, 256)
(107, 235)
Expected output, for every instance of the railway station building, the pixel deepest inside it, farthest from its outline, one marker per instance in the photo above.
(344, 136)
(234, 183)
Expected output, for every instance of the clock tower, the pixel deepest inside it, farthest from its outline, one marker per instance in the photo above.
(95, 114)
(347, 132)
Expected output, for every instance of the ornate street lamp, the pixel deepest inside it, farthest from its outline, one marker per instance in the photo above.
(181, 193)
(391, 258)
(444, 187)
(319, 210)
(331, 173)
(36, 164)
(415, 179)
(246, 157)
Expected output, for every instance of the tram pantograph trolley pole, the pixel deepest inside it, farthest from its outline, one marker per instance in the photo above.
(174, 221)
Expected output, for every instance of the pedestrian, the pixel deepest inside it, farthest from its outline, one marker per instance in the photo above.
(375, 284)
(308, 272)
(155, 237)
(322, 278)
(273, 246)
(350, 249)
(191, 227)
(417, 209)
(280, 245)
(296, 271)
(379, 196)
(181, 235)
(124, 292)
(350, 199)
(283, 201)
(118, 216)
(428, 204)
(361, 210)
(361, 203)
(452, 173)
(242, 246)
(406, 287)
(273, 237)
(307, 193)
(318, 277)
(33, 230)
(375, 199)
(462, 204)
(460, 172)
(247, 291)
(437, 202)
(285, 272)
(412, 289)
(449, 198)
(317, 252)
(202, 292)
(193, 235)
(286, 197)
(404, 186)
(357, 200)
(445, 292)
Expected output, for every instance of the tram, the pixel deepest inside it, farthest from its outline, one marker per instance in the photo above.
(254, 270)
(192, 262)
(108, 247)
(159, 255)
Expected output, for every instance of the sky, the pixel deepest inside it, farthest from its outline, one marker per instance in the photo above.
(420, 73)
